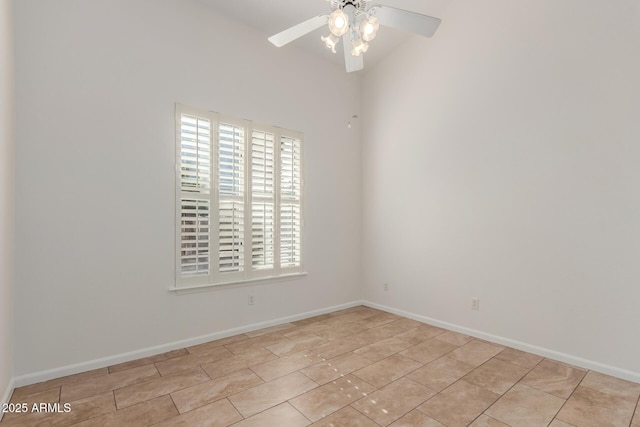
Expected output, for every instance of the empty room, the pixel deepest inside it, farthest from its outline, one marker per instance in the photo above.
(320, 212)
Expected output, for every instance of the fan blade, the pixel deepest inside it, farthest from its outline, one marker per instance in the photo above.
(290, 34)
(406, 20)
(353, 63)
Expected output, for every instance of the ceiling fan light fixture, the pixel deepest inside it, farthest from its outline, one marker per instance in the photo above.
(330, 42)
(359, 47)
(369, 27)
(356, 22)
(338, 23)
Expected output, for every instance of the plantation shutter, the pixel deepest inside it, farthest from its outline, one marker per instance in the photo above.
(290, 206)
(238, 200)
(263, 212)
(195, 185)
(231, 191)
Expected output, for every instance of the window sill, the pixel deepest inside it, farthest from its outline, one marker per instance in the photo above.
(238, 283)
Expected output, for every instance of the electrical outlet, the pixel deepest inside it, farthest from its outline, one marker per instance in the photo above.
(475, 303)
(251, 300)
(386, 286)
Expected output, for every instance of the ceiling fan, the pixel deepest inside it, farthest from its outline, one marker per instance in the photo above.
(356, 22)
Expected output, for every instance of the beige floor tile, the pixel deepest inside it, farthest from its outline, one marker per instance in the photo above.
(20, 392)
(236, 363)
(455, 338)
(265, 396)
(416, 418)
(557, 423)
(283, 415)
(302, 331)
(147, 360)
(429, 350)
(296, 344)
(29, 420)
(554, 377)
(311, 328)
(335, 395)
(420, 334)
(285, 365)
(210, 391)
(51, 395)
(389, 329)
(351, 317)
(217, 414)
(476, 352)
(337, 367)
(612, 386)
(393, 401)
(496, 376)
(382, 349)
(105, 383)
(387, 370)
(207, 346)
(331, 333)
(85, 409)
(459, 404)
(345, 417)
(525, 406)
(255, 344)
(270, 330)
(587, 407)
(486, 421)
(156, 387)
(311, 320)
(340, 346)
(520, 358)
(636, 419)
(378, 320)
(403, 325)
(192, 360)
(440, 373)
(140, 415)
(376, 334)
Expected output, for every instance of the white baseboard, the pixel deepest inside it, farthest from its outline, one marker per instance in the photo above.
(6, 397)
(541, 351)
(36, 377)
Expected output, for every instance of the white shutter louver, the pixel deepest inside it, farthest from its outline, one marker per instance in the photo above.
(263, 200)
(194, 237)
(195, 153)
(290, 194)
(195, 183)
(231, 181)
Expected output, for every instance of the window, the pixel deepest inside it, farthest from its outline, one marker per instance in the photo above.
(239, 199)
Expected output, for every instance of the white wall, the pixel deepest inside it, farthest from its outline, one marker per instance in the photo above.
(96, 86)
(6, 198)
(501, 161)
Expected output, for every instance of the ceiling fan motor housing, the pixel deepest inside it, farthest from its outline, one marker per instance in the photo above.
(360, 5)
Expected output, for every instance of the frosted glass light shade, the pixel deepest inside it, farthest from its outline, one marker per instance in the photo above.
(338, 23)
(330, 42)
(359, 47)
(368, 28)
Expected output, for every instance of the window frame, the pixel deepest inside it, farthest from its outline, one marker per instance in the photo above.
(215, 278)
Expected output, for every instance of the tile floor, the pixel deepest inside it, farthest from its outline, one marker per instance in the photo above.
(355, 367)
